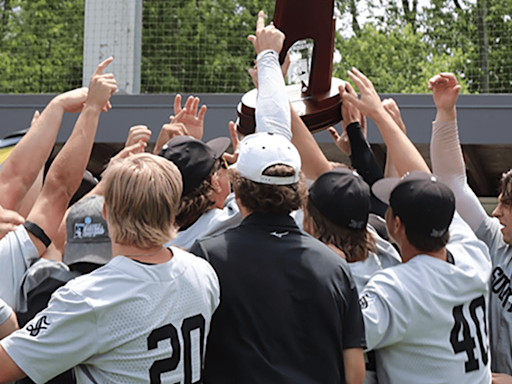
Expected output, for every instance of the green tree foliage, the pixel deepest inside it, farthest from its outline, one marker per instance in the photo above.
(41, 44)
(199, 45)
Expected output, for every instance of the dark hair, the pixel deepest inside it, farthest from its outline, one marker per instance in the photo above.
(425, 243)
(198, 201)
(355, 243)
(269, 198)
(505, 187)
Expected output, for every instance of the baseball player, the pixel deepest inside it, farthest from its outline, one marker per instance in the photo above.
(426, 318)
(448, 163)
(141, 318)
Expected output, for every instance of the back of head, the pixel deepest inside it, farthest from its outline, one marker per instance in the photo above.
(266, 177)
(424, 205)
(87, 238)
(142, 194)
(339, 205)
(505, 188)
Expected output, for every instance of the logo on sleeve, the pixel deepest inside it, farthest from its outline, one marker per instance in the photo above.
(42, 323)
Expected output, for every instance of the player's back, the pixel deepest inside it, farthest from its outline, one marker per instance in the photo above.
(432, 317)
(128, 322)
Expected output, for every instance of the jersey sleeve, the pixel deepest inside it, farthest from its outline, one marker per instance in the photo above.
(385, 309)
(17, 252)
(490, 233)
(272, 106)
(57, 339)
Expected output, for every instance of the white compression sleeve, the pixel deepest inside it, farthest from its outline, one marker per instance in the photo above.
(272, 106)
(448, 164)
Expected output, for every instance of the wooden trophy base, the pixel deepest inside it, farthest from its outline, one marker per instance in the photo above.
(318, 111)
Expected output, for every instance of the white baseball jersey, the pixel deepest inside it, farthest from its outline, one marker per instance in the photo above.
(427, 318)
(126, 322)
(17, 252)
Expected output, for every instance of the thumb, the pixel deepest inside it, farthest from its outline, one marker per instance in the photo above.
(334, 133)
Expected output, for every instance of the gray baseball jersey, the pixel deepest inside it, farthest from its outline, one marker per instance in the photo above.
(126, 322)
(5, 312)
(427, 318)
(17, 252)
(501, 295)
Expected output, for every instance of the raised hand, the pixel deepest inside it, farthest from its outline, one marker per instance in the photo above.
(138, 133)
(190, 118)
(232, 158)
(392, 109)
(101, 87)
(342, 141)
(369, 104)
(169, 131)
(267, 37)
(445, 89)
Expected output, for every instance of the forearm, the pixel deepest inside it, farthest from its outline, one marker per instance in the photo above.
(448, 164)
(314, 162)
(272, 106)
(402, 151)
(65, 174)
(21, 168)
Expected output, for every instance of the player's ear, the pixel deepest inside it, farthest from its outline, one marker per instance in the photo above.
(104, 212)
(216, 183)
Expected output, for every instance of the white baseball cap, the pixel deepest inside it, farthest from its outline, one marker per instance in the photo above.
(259, 151)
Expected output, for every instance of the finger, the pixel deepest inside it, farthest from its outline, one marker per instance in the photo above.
(363, 80)
(286, 64)
(334, 133)
(177, 104)
(189, 103)
(260, 24)
(202, 112)
(195, 104)
(11, 217)
(35, 117)
(179, 116)
(350, 89)
(100, 69)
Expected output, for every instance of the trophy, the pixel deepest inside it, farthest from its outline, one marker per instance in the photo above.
(317, 102)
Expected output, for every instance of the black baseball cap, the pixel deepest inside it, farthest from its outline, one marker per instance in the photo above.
(424, 204)
(343, 197)
(194, 158)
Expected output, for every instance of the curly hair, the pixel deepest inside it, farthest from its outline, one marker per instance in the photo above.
(505, 187)
(197, 202)
(355, 243)
(268, 198)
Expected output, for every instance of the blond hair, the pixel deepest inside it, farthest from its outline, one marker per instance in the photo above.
(142, 194)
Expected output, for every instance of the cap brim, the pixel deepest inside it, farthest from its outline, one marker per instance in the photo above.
(96, 253)
(383, 188)
(219, 146)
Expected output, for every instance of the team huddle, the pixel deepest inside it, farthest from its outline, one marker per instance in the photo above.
(266, 265)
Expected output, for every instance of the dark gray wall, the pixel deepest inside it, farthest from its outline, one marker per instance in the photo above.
(483, 119)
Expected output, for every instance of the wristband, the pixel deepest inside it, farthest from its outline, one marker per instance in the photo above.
(38, 232)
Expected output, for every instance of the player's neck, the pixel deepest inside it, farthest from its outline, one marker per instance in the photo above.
(408, 251)
(153, 255)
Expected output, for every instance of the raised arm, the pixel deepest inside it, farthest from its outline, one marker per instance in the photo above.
(66, 172)
(445, 150)
(272, 106)
(20, 170)
(405, 155)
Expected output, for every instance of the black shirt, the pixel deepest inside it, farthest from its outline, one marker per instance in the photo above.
(288, 306)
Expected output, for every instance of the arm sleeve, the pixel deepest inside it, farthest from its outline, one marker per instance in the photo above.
(272, 107)
(448, 165)
(57, 339)
(385, 311)
(364, 161)
(17, 252)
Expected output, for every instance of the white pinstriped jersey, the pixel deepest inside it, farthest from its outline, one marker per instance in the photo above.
(428, 319)
(126, 322)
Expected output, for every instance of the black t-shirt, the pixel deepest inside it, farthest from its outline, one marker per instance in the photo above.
(288, 309)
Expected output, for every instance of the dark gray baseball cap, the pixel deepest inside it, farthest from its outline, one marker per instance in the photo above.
(87, 238)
